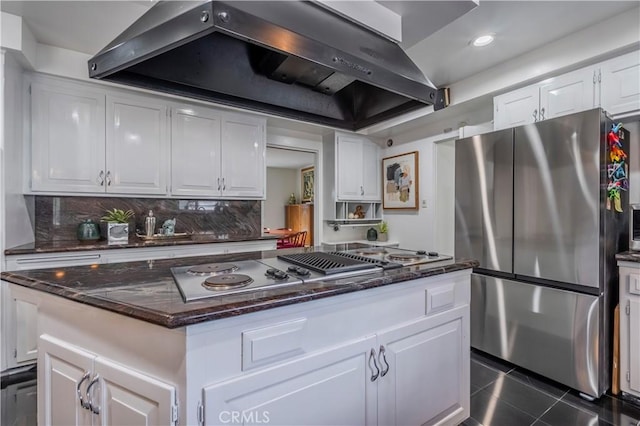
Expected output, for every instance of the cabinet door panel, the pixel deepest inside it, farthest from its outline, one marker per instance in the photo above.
(137, 145)
(516, 108)
(569, 93)
(371, 167)
(428, 379)
(327, 388)
(195, 153)
(130, 398)
(61, 367)
(349, 168)
(634, 345)
(243, 158)
(621, 84)
(26, 331)
(67, 138)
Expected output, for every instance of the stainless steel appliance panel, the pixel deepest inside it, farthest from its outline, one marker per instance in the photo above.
(549, 331)
(484, 200)
(557, 200)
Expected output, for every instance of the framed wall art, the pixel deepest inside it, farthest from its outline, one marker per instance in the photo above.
(307, 185)
(400, 185)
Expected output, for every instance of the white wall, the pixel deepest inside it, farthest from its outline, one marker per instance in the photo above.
(280, 184)
(415, 229)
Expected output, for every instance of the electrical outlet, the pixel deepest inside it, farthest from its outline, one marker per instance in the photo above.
(424, 204)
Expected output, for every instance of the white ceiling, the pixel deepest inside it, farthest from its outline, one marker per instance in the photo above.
(445, 56)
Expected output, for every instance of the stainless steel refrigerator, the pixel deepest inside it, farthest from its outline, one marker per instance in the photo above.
(531, 206)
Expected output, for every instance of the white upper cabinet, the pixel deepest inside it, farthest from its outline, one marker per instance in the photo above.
(67, 138)
(215, 154)
(243, 156)
(620, 86)
(613, 85)
(566, 94)
(137, 145)
(357, 168)
(195, 152)
(89, 139)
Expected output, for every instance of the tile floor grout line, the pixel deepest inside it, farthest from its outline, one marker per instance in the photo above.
(546, 411)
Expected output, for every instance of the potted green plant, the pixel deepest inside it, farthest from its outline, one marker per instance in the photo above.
(384, 228)
(117, 225)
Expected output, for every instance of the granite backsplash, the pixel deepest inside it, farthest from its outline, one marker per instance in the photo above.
(57, 218)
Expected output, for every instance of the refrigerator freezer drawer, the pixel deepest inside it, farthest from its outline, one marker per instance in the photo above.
(548, 331)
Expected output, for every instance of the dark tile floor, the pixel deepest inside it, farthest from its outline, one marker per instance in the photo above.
(501, 395)
(504, 395)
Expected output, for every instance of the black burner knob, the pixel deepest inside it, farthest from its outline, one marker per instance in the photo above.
(421, 252)
(433, 254)
(292, 268)
(280, 275)
(271, 272)
(303, 272)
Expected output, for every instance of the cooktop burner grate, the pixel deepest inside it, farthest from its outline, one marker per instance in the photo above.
(404, 257)
(212, 269)
(226, 281)
(330, 262)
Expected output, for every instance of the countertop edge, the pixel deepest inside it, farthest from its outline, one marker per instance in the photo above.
(268, 301)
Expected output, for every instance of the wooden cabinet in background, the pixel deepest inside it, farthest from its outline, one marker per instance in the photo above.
(299, 217)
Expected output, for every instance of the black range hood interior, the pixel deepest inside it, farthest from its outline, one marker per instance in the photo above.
(287, 58)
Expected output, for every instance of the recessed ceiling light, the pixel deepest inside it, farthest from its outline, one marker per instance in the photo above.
(483, 40)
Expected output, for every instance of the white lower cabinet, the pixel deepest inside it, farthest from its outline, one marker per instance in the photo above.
(630, 329)
(413, 374)
(19, 333)
(331, 387)
(424, 371)
(80, 388)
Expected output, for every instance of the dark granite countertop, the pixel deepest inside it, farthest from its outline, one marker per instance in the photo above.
(146, 290)
(134, 242)
(629, 256)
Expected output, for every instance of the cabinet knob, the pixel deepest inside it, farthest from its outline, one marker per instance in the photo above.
(535, 114)
(219, 184)
(108, 178)
(101, 178)
(541, 113)
(361, 190)
(224, 187)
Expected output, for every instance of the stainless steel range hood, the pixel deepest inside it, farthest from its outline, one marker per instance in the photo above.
(288, 58)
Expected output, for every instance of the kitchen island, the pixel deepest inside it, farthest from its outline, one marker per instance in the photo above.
(117, 345)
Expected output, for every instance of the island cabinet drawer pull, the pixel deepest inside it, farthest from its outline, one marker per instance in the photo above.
(84, 404)
(372, 357)
(382, 357)
(440, 298)
(273, 343)
(95, 408)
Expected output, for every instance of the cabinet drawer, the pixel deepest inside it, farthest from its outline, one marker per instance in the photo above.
(634, 283)
(440, 298)
(272, 343)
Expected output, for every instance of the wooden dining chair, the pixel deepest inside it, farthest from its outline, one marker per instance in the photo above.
(296, 240)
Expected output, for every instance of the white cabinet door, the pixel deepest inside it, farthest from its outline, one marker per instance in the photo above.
(516, 108)
(137, 146)
(634, 345)
(567, 94)
(63, 375)
(195, 152)
(243, 157)
(349, 168)
(428, 371)
(371, 167)
(130, 398)
(26, 331)
(620, 86)
(67, 144)
(332, 387)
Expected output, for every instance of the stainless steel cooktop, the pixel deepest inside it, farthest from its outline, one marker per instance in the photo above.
(398, 255)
